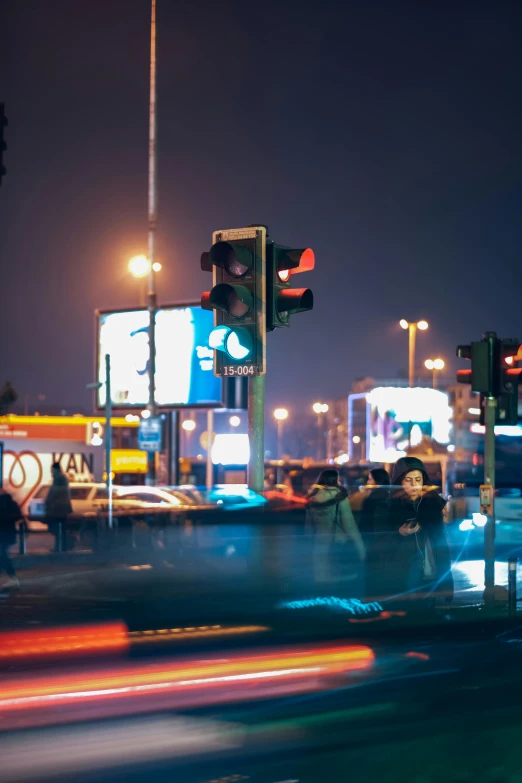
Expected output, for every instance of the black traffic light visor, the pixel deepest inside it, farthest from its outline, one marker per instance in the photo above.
(236, 300)
(233, 257)
(295, 300)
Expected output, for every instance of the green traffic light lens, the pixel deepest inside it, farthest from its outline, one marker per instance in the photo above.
(238, 344)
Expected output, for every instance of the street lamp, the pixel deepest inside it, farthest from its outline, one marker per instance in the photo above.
(234, 421)
(435, 365)
(139, 267)
(412, 327)
(280, 415)
(320, 408)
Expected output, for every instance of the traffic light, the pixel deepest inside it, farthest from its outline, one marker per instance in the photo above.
(508, 380)
(3, 144)
(237, 260)
(281, 299)
(493, 375)
(483, 355)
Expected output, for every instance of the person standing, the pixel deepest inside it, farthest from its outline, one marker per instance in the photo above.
(10, 514)
(330, 519)
(417, 555)
(58, 505)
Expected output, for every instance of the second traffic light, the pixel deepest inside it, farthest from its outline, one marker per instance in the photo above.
(281, 299)
(493, 375)
(237, 259)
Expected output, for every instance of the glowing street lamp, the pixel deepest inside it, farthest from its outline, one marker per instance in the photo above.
(435, 365)
(320, 408)
(189, 425)
(412, 327)
(139, 267)
(234, 421)
(280, 415)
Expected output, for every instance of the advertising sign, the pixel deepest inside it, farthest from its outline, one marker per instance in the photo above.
(184, 361)
(400, 416)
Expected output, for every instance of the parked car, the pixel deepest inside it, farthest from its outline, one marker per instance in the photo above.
(83, 498)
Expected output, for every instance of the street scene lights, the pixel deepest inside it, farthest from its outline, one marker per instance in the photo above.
(280, 415)
(320, 408)
(234, 421)
(139, 267)
(412, 327)
(435, 365)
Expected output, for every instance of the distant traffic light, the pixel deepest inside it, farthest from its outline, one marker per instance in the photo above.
(237, 259)
(508, 379)
(3, 143)
(281, 299)
(483, 355)
(493, 375)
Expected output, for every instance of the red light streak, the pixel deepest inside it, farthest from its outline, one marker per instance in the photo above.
(146, 680)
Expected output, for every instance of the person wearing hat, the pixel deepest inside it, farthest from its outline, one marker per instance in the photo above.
(416, 557)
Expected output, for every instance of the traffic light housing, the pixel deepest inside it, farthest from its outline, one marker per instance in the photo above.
(237, 260)
(281, 299)
(3, 143)
(508, 380)
(493, 375)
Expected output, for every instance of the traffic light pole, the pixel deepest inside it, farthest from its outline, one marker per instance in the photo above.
(256, 432)
(489, 478)
(152, 213)
(108, 436)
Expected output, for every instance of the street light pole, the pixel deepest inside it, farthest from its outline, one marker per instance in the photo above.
(152, 218)
(412, 327)
(435, 365)
(411, 353)
(321, 409)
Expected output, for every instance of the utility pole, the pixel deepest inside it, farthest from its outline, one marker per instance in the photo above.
(108, 435)
(152, 220)
(490, 413)
(256, 432)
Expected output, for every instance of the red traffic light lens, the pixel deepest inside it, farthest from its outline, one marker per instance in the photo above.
(284, 275)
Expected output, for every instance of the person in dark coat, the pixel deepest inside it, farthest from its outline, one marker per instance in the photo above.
(58, 503)
(375, 492)
(414, 553)
(10, 514)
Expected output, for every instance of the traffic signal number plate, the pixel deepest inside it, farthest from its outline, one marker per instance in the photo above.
(234, 370)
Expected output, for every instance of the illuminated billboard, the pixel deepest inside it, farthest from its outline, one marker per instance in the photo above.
(184, 362)
(398, 417)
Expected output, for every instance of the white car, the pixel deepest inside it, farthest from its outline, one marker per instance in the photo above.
(83, 500)
(86, 498)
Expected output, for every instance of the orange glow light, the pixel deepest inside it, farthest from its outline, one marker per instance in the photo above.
(79, 639)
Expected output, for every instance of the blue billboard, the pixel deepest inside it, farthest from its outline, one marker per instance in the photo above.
(184, 361)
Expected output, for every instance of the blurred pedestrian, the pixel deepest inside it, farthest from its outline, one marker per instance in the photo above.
(417, 556)
(374, 493)
(338, 548)
(58, 506)
(10, 514)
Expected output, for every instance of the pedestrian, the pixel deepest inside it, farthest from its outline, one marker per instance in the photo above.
(375, 494)
(338, 549)
(416, 555)
(58, 505)
(10, 514)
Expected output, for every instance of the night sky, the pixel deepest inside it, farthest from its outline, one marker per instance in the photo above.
(385, 135)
